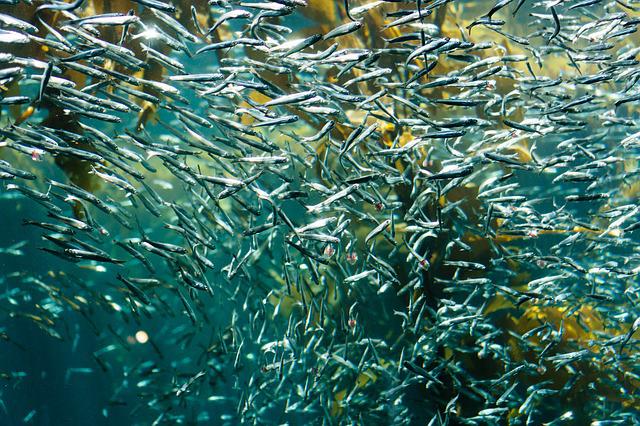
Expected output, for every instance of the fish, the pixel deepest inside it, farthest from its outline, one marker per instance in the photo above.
(307, 208)
(232, 14)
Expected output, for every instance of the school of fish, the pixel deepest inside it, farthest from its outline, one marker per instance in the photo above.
(328, 212)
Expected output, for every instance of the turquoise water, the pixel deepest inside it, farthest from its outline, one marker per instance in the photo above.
(408, 223)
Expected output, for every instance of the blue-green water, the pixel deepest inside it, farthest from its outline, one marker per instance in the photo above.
(420, 220)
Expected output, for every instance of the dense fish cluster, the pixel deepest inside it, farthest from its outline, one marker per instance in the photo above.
(318, 212)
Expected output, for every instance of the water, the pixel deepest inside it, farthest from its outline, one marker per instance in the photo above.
(334, 231)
